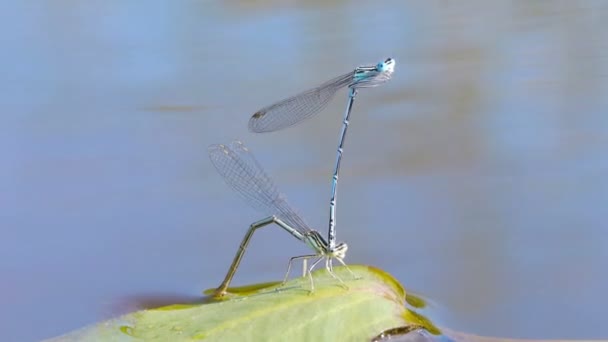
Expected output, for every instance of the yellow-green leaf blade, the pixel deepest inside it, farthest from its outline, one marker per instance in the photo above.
(370, 305)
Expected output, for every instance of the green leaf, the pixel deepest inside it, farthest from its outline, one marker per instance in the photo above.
(270, 312)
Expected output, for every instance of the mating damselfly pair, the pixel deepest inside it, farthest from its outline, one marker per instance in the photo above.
(242, 172)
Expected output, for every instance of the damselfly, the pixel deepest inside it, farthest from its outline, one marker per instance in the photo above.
(242, 172)
(297, 108)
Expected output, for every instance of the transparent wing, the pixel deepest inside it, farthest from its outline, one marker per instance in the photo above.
(242, 172)
(302, 106)
(297, 108)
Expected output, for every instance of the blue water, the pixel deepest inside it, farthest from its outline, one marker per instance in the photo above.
(477, 176)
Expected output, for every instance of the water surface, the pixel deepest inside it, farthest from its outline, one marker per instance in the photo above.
(477, 176)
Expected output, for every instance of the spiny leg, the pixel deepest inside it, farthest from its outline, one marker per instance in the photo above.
(304, 267)
(348, 269)
(329, 268)
(312, 285)
(305, 257)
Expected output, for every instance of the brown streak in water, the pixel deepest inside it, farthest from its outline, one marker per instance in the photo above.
(174, 108)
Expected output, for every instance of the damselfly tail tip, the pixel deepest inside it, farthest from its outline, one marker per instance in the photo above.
(219, 293)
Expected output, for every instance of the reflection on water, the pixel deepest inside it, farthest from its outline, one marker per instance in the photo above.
(476, 176)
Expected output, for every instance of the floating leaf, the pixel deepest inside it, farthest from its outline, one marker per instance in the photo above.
(370, 305)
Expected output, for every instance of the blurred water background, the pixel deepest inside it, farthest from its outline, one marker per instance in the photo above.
(477, 176)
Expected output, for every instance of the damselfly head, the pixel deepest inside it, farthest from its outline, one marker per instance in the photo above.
(387, 66)
(340, 250)
(373, 76)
